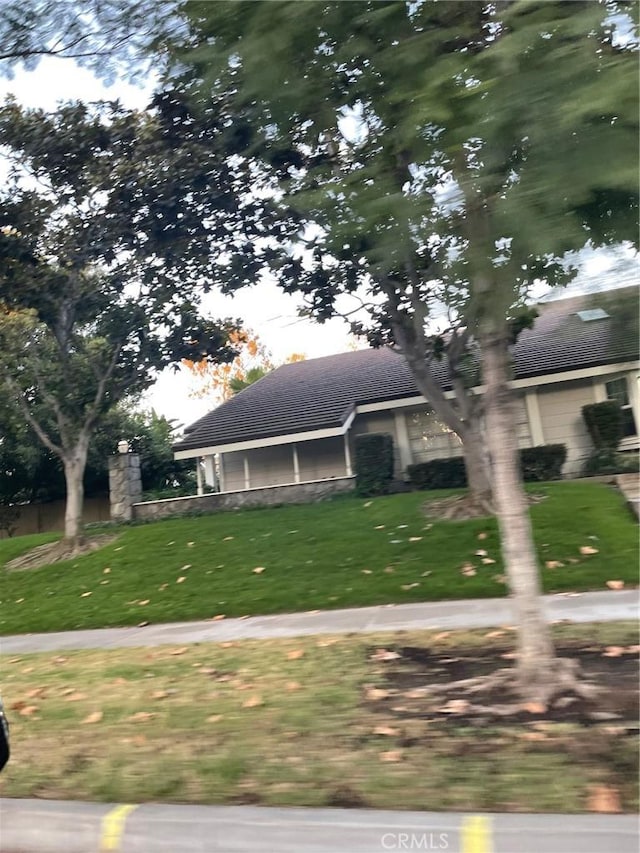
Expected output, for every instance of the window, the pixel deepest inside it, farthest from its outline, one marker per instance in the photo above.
(430, 438)
(618, 390)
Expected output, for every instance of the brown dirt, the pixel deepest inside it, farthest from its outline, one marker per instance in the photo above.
(54, 552)
(463, 508)
(415, 680)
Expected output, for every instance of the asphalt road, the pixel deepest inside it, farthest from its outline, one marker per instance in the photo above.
(32, 826)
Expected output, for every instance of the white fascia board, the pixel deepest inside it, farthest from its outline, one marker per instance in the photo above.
(290, 438)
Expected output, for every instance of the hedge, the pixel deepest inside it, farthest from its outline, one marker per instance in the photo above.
(373, 463)
(538, 463)
(604, 422)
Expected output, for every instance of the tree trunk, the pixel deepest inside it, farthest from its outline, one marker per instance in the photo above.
(74, 467)
(476, 463)
(536, 663)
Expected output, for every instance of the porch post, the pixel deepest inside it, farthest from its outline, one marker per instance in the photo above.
(296, 464)
(200, 487)
(221, 470)
(347, 455)
(247, 478)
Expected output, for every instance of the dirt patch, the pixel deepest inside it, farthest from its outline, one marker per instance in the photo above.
(54, 552)
(414, 685)
(463, 507)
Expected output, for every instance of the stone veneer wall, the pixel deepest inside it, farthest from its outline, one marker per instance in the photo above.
(125, 485)
(297, 493)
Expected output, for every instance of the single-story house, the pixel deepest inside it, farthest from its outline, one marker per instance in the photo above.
(298, 423)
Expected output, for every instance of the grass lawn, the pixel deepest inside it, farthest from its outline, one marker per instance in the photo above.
(340, 553)
(304, 722)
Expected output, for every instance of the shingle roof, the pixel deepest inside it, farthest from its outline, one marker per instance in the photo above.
(320, 393)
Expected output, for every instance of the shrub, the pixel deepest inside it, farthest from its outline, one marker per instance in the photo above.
(438, 474)
(604, 422)
(606, 461)
(374, 464)
(538, 463)
(543, 462)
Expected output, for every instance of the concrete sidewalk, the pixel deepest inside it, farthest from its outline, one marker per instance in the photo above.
(474, 613)
(34, 826)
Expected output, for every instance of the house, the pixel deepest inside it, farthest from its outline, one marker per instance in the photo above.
(298, 423)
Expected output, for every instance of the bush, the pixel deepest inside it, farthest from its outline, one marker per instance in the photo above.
(438, 474)
(606, 461)
(374, 464)
(538, 463)
(543, 462)
(604, 422)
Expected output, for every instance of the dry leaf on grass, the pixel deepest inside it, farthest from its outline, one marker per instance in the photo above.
(163, 587)
(252, 702)
(181, 579)
(499, 578)
(106, 571)
(415, 539)
(482, 536)
(327, 641)
(215, 718)
(292, 685)
(191, 544)
(85, 594)
(534, 707)
(391, 755)
(379, 527)
(37, 691)
(375, 694)
(386, 731)
(258, 570)
(587, 550)
(181, 651)
(295, 654)
(141, 717)
(218, 617)
(408, 586)
(185, 567)
(615, 584)
(554, 564)
(366, 571)
(467, 570)
(144, 603)
(487, 561)
(368, 503)
(159, 694)
(94, 717)
(142, 624)
(604, 799)
(613, 652)
(389, 570)
(28, 710)
(75, 696)
(481, 553)
(384, 655)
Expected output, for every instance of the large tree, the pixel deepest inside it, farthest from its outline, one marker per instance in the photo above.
(451, 152)
(105, 249)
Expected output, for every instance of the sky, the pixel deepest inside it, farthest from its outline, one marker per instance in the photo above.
(263, 308)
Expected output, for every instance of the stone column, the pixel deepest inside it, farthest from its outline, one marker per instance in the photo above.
(125, 485)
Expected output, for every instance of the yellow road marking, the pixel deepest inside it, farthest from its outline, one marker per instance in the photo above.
(475, 834)
(113, 827)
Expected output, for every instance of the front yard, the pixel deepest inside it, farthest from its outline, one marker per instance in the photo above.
(340, 553)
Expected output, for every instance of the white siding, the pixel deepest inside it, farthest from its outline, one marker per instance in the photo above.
(562, 423)
(322, 459)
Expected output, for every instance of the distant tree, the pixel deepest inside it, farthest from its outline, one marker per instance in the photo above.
(220, 382)
(104, 252)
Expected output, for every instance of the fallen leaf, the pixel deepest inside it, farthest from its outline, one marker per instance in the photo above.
(258, 570)
(415, 538)
(386, 731)
(181, 579)
(368, 503)
(104, 583)
(389, 570)
(587, 550)
(379, 527)
(395, 541)
(294, 654)
(142, 624)
(328, 641)
(252, 702)
(481, 553)
(26, 670)
(141, 717)
(455, 706)
(292, 685)
(425, 574)
(163, 587)
(613, 652)
(554, 564)
(482, 536)
(384, 655)
(499, 578)
(218, 617)
(179, 651)
(106, 571)
(615, 584)
(94, 717)
(487, 561)
(160, 694)
(604, 799)
(375, 694)
(366, 571)
(573, 560)
(215, 718)
(226, 645)
(191, 544)
(57, 660)
(15, 660)
(391, 755)
(143, 603)
(85, 594)
(408, 586)
(76, 696)
(28, 710)
(37, 691)
(468, 570)
(534, 707)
